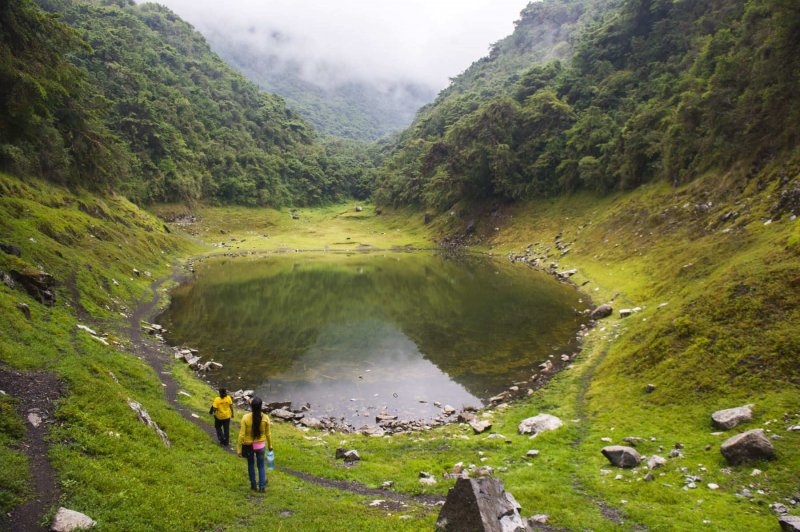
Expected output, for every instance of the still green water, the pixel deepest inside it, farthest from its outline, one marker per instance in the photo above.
(356, 335)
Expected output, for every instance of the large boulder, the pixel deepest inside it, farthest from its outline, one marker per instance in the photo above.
(480, 504)
(603, 311)
(747, 446)
(538, 424)
(622, 456)
(68, 520)
(789, 523)
(480, 426)
(729, 418)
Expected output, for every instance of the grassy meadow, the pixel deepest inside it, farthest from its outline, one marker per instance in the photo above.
(719, 302)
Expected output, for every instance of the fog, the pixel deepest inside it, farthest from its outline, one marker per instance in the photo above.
(386, 41)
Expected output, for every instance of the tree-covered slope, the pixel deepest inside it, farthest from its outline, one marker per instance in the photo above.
(358, 110)
(654, 90)
(133, 98)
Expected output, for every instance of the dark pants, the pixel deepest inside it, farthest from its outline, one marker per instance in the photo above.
(223, 427)
(257, 458)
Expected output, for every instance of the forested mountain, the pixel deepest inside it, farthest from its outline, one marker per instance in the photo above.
(111, 94)
(356, 109)
(655, 89)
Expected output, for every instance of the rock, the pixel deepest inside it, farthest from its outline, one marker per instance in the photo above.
(650, 388)
(603, 311)
(11, 250)
(531, 453)
(25, 309)
(359, 208)
(540, 519)
(789, 523)
(466, 417)
(750, 445)
(384, 418)
(34, 419)
(67, 520)
(713, 486)
(655, 461)
(448, 410)
(632, 440)
(371, 430)
(351, 456)
(625, 312)
(311, 422)
(480, 504)
(727, 419)
(779, 508)
(537, 424)
(39, 285)
(480, 426)
(426, 478)
(622, 456)
(387, 485)
(136, 272)
(501, 397)
(567, 274)
(145, 418)
(284, 414)
(649, 477)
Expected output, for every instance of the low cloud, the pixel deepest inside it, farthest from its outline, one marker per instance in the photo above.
(379, 42)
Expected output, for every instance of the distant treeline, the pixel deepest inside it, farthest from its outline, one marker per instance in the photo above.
(111, 95)
(619, 92)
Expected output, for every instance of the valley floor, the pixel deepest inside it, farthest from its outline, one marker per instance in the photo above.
(716, 275)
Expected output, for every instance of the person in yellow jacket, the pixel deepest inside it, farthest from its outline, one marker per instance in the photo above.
(222, 408)
(254, 436)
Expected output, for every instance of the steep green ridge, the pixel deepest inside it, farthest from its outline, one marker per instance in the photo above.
(133, 99)
(655, 90)
(357, 110)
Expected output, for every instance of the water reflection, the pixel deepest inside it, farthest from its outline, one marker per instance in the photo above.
(346, 334)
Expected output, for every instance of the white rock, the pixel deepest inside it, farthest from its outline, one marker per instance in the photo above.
(68, 520)
(537, 424)
(34, 419)
(713, 486)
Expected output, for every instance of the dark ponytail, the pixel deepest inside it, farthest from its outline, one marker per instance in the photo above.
(255, 407)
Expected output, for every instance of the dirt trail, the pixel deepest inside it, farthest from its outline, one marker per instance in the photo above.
(37, 393)
(159, 355)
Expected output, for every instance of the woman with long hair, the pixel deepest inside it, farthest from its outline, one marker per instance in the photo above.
(254, 437)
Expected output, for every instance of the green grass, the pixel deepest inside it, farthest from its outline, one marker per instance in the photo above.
(726, 337)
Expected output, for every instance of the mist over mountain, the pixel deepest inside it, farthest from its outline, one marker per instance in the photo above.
(354, 69)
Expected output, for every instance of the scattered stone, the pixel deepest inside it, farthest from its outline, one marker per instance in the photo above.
(650, 388)
(779, 508)
(387, 485)
(136, 272)
(11, 250)
(372, 430)
(480, 426)
(480, 504)
(605, 439)
(540, 519)
(448, 410)
(466, 417)
(359, 208)
(789, 523)
(426, 478)
(34, 419)
(68, 520)
(25, 309)
(649, 477)
(622, 456)
(348, 455)
(531, 453)
(625, 312)
(750, 445)
(727, 419)
(38, 284)
(311, 422)
(713, 486)
(655, 462)
(632, 440)
(603, 311)
(537, 424)
(145, 418)
(284, 414)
